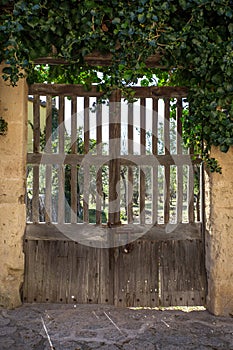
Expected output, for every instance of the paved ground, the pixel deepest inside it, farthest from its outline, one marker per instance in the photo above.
(86, 327)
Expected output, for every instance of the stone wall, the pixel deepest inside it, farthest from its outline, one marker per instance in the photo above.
(219, 236)
(13, 108)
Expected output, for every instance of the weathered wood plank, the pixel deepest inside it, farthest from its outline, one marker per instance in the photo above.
(99, 149)
(114, 154)
(86, 125)
(137, 286)
(142, 177)
(36, 124)
(180, 168)
(48, 129)
(75, 159)
(74, 196)
(61, 128)
(79, 90)
(48, 170)
(63, 89)
(98, 59)
(155, 166)
(35, 191)
(179, 193)
(182, 281)
(48, 193)
(190, 194)
(155, 194)
(61, 194)
(99, 196)
(99, 129)
(86, 232)
(130, 168)
(179, 142)
(56, 270)
(86, 192)
(73, 125)
(155, 126)
(167, 166)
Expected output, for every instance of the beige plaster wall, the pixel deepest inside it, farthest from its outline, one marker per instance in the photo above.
(219, 236)
(13, 108)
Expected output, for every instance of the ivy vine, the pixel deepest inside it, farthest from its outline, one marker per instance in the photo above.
(3, 126)
(193, 37)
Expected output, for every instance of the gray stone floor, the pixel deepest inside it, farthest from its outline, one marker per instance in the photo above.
(86, 327)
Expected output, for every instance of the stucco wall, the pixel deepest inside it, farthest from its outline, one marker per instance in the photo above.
(13, 108)
(219, 236)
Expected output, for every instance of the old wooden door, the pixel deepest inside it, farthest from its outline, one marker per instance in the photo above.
(114, 200)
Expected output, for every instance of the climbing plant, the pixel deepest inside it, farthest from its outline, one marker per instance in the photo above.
(193, 38)
(3, 126)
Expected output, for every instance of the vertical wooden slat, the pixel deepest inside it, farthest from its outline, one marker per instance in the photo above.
(142, 177)
(179, 149)
(35, 191)
(48, 194)
(86, 184)
(61, 172)
(48, 129)
(114, 180)
(191, 193)
(99, 128)
(99, 184)
(155, 167)
(86, 125)
(202, 197)
(114, 152)
(61, 119)
(179, 110)
(36, 124)
(61, 194)
(48, 149)
(155, 126)
(99, 196)
(86, 169)
(74, 125)
(74, 177)
(179, 201)
(167, 167)
(130, 168)
(36, 149)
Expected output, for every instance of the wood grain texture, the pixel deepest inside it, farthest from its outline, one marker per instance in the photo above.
(162, 264)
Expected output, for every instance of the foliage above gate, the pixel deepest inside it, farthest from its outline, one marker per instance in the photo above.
(194, 39)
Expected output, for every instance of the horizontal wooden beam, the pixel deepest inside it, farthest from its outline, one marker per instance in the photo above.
(98, 59)
(63, 89)
(91, 234)
(79, 90)
(100, 160)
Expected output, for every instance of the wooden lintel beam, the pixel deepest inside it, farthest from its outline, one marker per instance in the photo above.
(78, 90)
(97, 59)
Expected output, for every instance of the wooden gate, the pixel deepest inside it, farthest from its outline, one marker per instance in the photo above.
(114, 201)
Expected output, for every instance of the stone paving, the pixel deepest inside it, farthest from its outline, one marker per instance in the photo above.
(104, 327)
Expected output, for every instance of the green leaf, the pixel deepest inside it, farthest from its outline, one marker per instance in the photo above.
(141, 18)
(230, 28)
(224, 148)
(116, 20)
